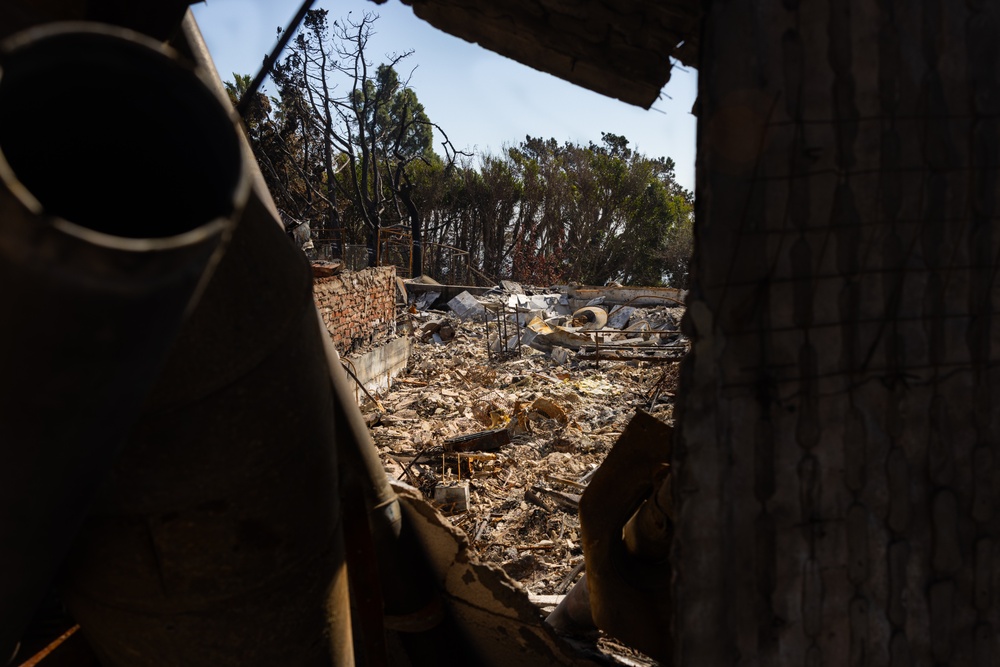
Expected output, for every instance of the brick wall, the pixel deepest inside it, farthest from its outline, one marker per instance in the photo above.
(358, 307)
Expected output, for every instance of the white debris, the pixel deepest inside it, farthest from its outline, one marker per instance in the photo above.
(467, 307)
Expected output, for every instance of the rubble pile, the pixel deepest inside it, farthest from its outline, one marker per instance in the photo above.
(501, 424)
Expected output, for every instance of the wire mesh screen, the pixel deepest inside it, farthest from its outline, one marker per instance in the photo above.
(395, 248)
(355, 256)
(327, 244)
(446, 264)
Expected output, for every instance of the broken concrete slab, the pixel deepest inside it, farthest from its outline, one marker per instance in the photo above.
(619, 317)
(523, 316)
(499, 348)
(543, 301)
(551, 304)
(512, 287)
(528, 337)
(467, 307)
(376, 369)
(529, 302)
(426, 300)
(565, 306)
(560, 355)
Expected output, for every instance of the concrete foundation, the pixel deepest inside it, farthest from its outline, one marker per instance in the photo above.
(375, 369)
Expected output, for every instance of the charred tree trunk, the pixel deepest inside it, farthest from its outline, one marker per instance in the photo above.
(414, 214)
(372, 246)
(837, 461)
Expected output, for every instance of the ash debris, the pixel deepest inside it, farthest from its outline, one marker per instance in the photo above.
(510, 402)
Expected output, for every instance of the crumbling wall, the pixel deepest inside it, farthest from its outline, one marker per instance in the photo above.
(358, 307)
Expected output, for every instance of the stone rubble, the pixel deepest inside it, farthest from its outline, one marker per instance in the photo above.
(517, 504)
(515, 363)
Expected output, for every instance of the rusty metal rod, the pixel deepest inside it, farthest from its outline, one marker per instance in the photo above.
(605, 357)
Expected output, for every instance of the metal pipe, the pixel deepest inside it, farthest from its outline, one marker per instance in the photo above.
(218, 534)
(217, 538)
(99, 267)
(414, 611)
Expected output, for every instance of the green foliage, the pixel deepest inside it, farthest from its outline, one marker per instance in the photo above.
(392, 112)
(347, 146)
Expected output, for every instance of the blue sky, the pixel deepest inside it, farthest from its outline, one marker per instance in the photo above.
(482, 100)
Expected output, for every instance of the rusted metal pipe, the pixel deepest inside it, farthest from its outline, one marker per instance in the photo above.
(98, 267)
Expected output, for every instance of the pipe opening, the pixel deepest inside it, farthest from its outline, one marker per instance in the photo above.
(113, 135)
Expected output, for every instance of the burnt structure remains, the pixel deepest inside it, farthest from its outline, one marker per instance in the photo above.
(834, 458)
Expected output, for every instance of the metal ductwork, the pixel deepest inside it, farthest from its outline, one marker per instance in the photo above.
(200, 448)
(181, 460)
(193, 493)
(121, 178)
(216, 537)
